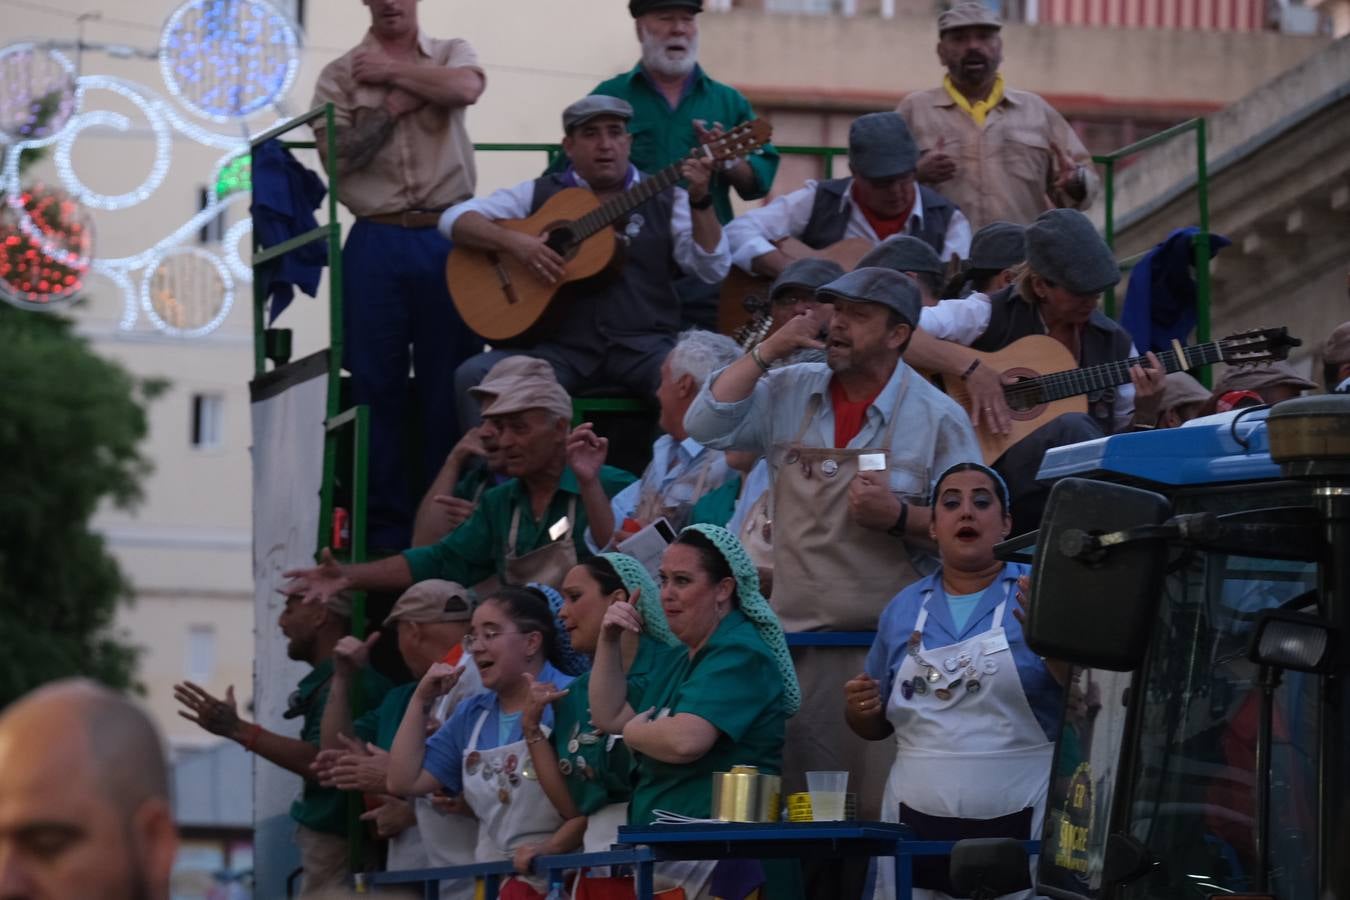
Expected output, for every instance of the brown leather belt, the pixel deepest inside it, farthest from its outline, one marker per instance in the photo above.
(409, 218)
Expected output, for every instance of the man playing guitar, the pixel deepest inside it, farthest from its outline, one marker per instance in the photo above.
(615, 328)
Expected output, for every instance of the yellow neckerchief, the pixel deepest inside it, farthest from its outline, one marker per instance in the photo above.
(980, 108)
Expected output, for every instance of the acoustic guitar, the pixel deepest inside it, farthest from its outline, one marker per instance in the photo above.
(744, 298)
(1048, 386)
(500, 298)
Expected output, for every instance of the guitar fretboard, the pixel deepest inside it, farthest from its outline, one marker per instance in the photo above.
(1058, 385)
(609, 212)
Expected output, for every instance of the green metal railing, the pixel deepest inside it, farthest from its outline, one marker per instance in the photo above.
(1201, 243)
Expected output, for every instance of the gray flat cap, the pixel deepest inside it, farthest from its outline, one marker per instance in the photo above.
(1253, 378)
(880, 146)
(1063, 246)
(998, 246)
(1181, 389)
(903, 253)
(968, 15)
(806, 274)
(588, 108)
(888, 287)
(642, 7)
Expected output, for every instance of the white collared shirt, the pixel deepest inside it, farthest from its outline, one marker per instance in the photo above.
(752, 233)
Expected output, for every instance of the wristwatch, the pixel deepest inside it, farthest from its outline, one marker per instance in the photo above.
(898, 529)
(706, 202)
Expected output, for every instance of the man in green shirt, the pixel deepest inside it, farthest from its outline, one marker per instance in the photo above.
(530, 529)
(312, 631)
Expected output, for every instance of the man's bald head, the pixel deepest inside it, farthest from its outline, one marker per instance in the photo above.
(84, 797)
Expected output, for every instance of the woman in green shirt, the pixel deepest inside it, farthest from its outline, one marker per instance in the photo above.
(723, 701)
(586, 773)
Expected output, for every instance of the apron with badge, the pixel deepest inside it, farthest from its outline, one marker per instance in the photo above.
(832, 574)
(451, 839)
(971, 759)
(550, 563)
(675, 502)
(504, 793)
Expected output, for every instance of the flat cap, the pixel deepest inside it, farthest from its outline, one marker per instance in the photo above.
(594, 106)
(806, 274)
(968, 15)
(506, 371)
(433, 600)
(888, 287)
(642, 7)
(1268, 375)
(1063, 246)
(998, 246)
(1337, 348)
(903, 253)
(1181, 389)
(880, 146)
(530, 392)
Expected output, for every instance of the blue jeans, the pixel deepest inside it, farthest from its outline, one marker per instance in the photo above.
(396, 300)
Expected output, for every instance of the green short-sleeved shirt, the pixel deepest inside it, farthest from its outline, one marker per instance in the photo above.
(717, 506)
(379, 725)
(607, 776)
(476, 550)
(320, 808)
(734, 683)
(662, 135)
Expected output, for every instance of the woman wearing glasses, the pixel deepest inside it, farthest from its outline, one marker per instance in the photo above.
(481, 753)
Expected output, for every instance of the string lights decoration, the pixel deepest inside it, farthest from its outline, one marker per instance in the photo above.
(31, 221)
(228, 59)
(223, 61)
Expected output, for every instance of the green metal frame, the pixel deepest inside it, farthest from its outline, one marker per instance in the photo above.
(1201, 244)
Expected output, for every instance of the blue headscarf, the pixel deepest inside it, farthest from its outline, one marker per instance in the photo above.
(570, 662)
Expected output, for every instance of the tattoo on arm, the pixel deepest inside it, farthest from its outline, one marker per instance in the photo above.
(358, 144)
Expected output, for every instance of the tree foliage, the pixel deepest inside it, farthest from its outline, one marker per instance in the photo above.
(71, 424)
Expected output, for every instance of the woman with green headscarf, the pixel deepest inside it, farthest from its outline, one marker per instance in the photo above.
(723, 701)
(586, 773)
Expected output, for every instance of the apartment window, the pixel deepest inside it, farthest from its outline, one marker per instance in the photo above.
(207, 417)
(200, 658)
(810, 7)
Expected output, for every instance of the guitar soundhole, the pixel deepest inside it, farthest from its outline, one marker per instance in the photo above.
(562, 240)
(1025, 402)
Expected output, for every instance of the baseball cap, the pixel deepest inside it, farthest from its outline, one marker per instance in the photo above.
(433, 600)
(530, 392)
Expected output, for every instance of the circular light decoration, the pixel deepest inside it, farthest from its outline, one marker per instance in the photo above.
(38, 226)
(235, 176)
(37, 92)
(187, 292)
(228, 59)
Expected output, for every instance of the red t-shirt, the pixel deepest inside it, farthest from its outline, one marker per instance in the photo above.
(849, 415)
(883, 227)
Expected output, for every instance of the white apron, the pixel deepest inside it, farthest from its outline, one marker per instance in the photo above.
(975, 754)
(512, 809)
(450, 839)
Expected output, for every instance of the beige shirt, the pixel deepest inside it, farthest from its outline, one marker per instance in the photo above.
(427, 162)
(1005, 170)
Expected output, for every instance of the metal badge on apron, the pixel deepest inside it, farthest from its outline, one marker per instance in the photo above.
(949, 762)
(511, 811)
(548, 564)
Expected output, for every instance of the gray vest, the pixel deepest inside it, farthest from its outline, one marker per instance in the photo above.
(1104, 341)
(830, 215)
(635, 300)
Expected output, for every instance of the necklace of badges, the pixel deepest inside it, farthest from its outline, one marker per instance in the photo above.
(946, 681)
(507, 772)
(575, 741)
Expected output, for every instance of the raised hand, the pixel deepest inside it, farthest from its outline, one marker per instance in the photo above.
(220, 717)
(586, 452)
(440, 680)
(801, 331)
(621, 617)
(351, 654)
(317, 583)
(863, 696)
(541, 694)
(935, 166)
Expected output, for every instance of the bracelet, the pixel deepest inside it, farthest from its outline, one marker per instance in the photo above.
(251, 740)
(975, 364)
(535, 740)
(759, 360)
(898, 529)
(705, 203)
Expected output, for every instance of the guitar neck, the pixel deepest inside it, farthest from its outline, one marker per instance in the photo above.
(611, 211)
(1058, 385)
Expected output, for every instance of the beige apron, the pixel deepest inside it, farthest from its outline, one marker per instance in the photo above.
(831, 574)
(673, 503)
(550, 563)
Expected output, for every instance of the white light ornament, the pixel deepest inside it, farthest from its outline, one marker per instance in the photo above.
(38, 92)
(228, 59)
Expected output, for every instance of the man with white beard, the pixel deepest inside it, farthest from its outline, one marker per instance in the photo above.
(676, 105)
